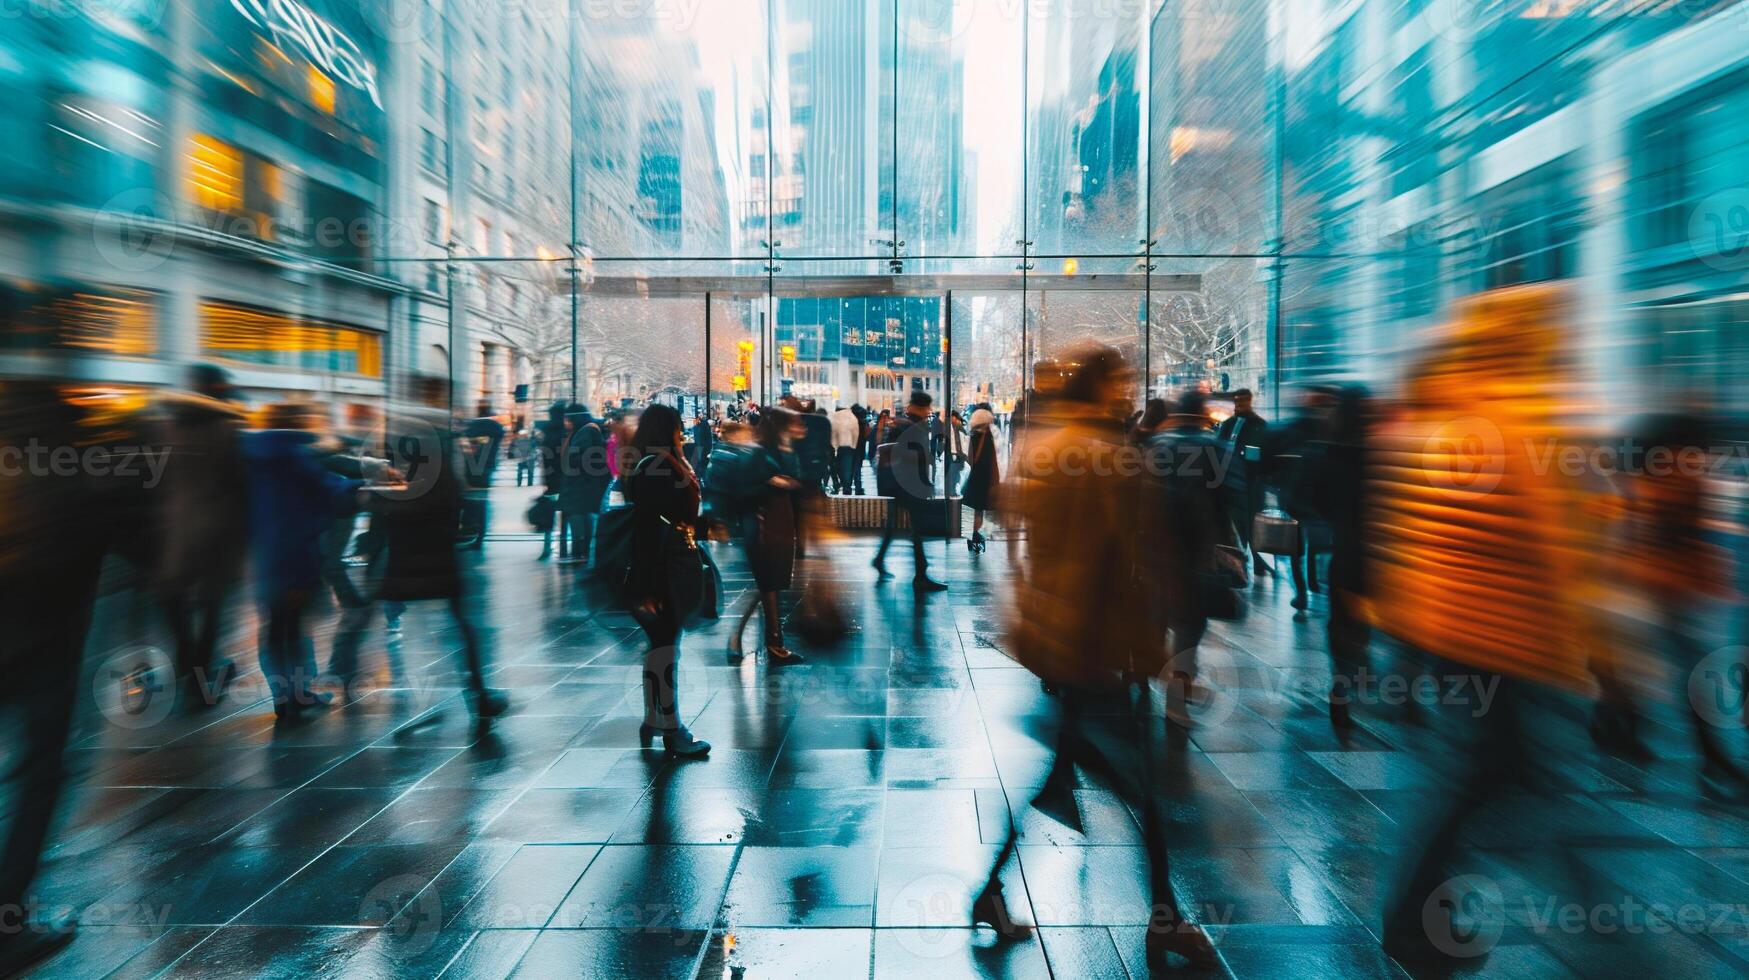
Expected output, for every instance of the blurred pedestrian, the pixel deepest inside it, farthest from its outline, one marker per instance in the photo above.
(985, 476)
(583, 488)
(1246, 433)
(203, 517)
(1680, 569)
(481, 443)
(1183, 531)
(1084, 564)
(864, 429)
(1338, 493)
(294, 500)
(55, 529)
(552, 451)
(846, 436)
(665, 582)
(765, 484)
(905, 473)
(419, 529)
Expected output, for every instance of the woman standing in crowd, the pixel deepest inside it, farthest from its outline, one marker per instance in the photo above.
(666, 580)
(980, 491)
(764, 487)
(293, 502)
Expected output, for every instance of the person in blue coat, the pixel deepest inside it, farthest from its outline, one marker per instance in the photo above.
(293, 500)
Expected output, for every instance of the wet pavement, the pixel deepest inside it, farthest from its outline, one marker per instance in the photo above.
(849, 811)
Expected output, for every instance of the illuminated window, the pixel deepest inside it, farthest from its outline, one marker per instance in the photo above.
(215, 177)
(110, 321)
(271, 339)
(322, 91)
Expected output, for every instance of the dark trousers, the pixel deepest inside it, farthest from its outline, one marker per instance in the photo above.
(1109, 737)
(1242, 514)
(474, 516)
(1485, 759)
(196, 615)
(844, 466)
(662, 670)
(286, 659)
(891, 528)
(577, 533)
(47, 615)
(473, 660)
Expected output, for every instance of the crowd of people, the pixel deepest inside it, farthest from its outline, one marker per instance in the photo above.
(1127, 532)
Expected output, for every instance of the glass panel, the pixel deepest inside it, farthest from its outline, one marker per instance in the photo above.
(1210, 128)
(961, 116)
(1215, 334)
(671, 136)
(831, 138)
(1086, 66)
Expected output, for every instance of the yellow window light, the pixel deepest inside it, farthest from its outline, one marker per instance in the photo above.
(215, 174)
(322, 91)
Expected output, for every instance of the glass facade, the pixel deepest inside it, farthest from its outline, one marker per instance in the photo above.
(610, 201)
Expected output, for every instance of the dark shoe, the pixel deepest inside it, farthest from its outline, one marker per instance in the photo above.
(736, 653)
(1340, 719)
(490, 704)
(32, 943)
(1301, 602)
(777, 656)
(991, 909)
(675, 741)
(927, 584)
(1183, 939)
(880, 568)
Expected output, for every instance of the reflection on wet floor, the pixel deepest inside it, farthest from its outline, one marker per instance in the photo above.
(844, 821)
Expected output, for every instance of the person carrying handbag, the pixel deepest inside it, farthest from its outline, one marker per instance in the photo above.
(664, 582)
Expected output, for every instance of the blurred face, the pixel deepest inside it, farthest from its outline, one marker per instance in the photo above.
(1242, 405)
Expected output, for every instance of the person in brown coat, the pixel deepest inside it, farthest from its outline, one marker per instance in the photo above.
(1080, 622)
(202, 508)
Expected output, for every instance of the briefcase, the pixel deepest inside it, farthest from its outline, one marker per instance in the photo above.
(1275, 533)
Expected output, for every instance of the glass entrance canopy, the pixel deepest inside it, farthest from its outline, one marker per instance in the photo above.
(617, 200)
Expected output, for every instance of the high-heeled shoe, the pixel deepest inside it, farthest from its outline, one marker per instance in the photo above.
(1188, 941)
(736, 654)
(991, 908)
(777, 656)
(675, 741)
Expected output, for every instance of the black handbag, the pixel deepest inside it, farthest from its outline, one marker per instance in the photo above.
(541, 513)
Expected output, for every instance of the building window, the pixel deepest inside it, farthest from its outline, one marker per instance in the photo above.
(215, 176)
(431, 89)
(434, 222)
(433, 153)
(434, 278)
(99, 320)
(251, 335)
